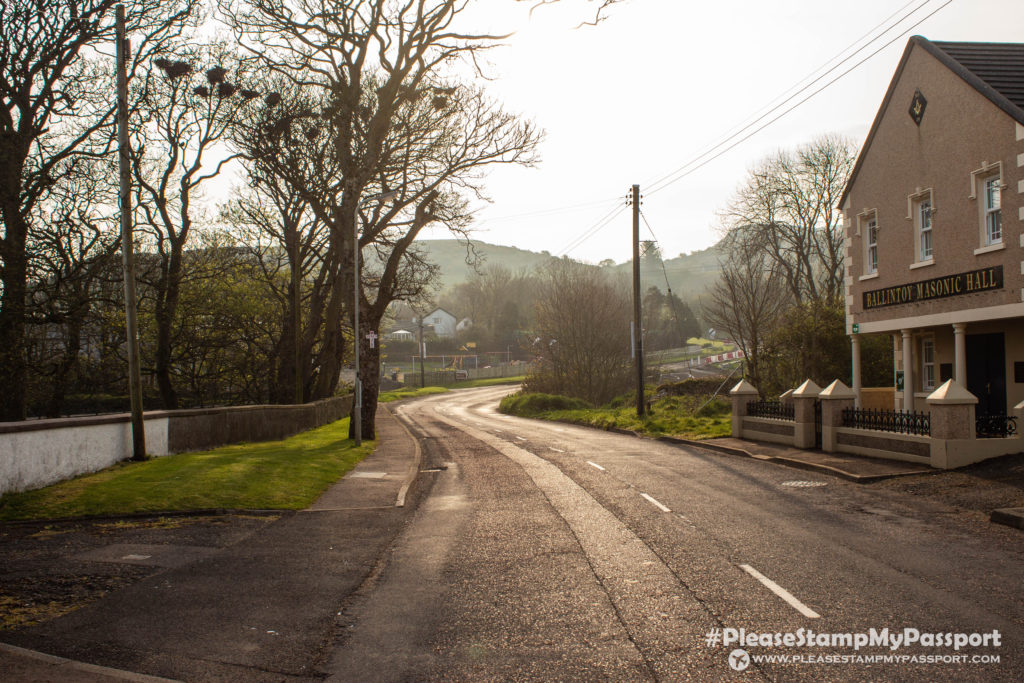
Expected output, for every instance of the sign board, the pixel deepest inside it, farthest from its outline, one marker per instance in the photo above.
(958, 284)
(899, 380)
(856, 328)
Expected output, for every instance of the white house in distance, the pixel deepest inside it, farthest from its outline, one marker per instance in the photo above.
(442, 321)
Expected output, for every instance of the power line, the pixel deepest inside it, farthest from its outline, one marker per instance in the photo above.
(693, 165)
(593, 230)
(788, 94)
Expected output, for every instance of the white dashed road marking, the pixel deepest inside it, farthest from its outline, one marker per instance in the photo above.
(655, 503)
(594, 464)
(556, 450)
(781, 592)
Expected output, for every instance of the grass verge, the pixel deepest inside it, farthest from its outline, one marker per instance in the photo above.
(678, 416)
(417, 392)
(286, 475)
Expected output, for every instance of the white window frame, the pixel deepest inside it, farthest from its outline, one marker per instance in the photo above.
(871, 244)
(980, 180)
(927, 366)
(923, 224)
(924, 234)
(992, 209)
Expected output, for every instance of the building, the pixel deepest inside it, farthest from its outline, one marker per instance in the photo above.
(442, 321)
(933, 217)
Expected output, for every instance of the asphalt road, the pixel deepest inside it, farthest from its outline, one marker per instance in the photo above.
(543, 551)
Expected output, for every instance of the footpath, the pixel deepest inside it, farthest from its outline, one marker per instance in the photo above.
(264, 608)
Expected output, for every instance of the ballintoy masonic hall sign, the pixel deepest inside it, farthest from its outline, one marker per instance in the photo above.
(970, 282)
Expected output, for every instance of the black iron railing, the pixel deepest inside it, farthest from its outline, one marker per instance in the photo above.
(771, 409)
(995, 426)
(899, 421)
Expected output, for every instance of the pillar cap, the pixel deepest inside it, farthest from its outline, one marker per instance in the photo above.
(951, 393)
(786, 396)
(837, 390)
(807, 390)
(743, 388)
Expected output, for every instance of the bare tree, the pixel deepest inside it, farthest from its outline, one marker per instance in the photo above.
(187, 104)
(57, 107)
(599, 13)
(342, 48)
(747, 302)
(582, 333)
(73, 250)
(787, 209)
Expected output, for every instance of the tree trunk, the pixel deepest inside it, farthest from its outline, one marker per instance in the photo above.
(13, 277)
(166, 311)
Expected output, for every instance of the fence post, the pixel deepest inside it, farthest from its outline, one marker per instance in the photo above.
(804, 399)
(952, 418)
(740, 395)
(835, 398)
(952, 412)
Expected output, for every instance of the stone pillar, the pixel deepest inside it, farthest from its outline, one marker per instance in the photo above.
(836, 398)
(960, 353)
(855, 366)
(908, 369)
(952, 412)
(803, 409)
(741, 395)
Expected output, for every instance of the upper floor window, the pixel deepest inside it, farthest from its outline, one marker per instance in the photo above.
(923, 222)
(992, 206)
(871, 241)
(987, 189)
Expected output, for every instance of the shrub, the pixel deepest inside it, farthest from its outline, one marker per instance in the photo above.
(527, 404)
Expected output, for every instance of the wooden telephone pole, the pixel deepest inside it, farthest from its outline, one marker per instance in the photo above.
(638, 335)
(128, 243)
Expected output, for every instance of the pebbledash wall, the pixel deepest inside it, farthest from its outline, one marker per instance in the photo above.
(38, 453)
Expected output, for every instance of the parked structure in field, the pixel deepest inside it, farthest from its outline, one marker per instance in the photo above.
(933, 216)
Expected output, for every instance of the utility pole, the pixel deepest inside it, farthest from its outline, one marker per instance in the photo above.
(638, 336)
(423, 356)
(128, 242)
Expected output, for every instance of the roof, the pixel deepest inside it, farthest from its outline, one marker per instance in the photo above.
(996, 70)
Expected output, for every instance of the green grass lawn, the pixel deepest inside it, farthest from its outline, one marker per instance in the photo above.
(286, 475)
(416, 392)
(678, 416)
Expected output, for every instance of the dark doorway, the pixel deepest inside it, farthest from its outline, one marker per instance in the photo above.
(986, 372)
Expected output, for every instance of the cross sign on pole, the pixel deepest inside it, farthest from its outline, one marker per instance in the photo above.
(372, 336)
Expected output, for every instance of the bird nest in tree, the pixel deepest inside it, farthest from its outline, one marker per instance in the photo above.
(173, 69)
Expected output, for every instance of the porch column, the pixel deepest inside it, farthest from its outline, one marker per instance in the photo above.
(908, 369)
(855, 366)
(960, 353)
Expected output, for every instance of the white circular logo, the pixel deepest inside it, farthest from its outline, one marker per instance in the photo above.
(739, 660)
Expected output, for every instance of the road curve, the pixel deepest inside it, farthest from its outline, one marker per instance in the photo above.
(544, 551)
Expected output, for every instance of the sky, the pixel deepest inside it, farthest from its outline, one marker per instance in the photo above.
(646, 92)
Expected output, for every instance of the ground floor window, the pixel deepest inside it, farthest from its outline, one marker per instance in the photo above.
(928, 364)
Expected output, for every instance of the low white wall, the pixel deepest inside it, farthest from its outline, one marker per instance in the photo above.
(38, 453)
(60, 449)
(960, 452)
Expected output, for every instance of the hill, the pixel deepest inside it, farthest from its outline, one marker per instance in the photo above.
(688, 274)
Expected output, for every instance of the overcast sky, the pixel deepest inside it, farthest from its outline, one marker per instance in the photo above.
(647, 91)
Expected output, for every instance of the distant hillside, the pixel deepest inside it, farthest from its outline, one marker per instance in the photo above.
(689, 275)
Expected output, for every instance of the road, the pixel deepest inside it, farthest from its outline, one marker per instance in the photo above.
(543, 551)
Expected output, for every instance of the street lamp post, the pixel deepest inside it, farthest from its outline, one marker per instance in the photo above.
(357, 406)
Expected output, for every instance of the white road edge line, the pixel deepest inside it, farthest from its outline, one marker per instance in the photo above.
(781, 592)
(655, 503)
(594, 464)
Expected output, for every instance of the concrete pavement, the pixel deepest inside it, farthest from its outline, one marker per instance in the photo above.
(261, 609)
